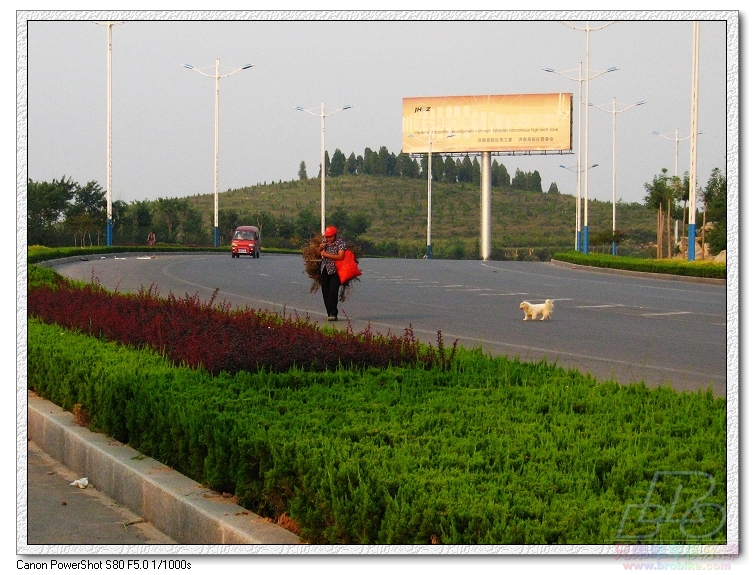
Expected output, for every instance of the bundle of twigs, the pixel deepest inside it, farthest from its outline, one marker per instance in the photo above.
(312, 259)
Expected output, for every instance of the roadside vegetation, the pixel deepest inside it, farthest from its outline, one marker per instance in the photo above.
(700, 269)
(462, 449)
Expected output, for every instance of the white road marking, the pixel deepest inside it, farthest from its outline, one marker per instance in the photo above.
(666, 313)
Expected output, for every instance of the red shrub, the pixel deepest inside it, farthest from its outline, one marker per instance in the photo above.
(218, 338)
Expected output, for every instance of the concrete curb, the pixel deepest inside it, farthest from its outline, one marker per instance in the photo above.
(174, 504)
(648, 275)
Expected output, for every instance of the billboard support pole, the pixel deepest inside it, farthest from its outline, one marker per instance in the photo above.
(485, 206)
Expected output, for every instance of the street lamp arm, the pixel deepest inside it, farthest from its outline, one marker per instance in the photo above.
(669, 138)
(552, 71)
(587, 29)
(611, 69)
(246, 67)
(215, 75)
(307, 111)
(320, 114)
(629, 107)
(190, 67)
(578, 79)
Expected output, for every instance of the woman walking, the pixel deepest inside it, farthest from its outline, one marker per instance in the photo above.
(331, 250)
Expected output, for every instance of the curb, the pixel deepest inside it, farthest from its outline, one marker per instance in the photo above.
(648, 275)
(174, 504)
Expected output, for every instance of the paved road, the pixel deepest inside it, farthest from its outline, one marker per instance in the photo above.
(624, 328)
(60, 514)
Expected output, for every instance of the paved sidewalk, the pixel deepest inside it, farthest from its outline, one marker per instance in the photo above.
(178, 507)
(61, 514)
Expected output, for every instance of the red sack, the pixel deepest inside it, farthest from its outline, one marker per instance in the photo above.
(347, 267)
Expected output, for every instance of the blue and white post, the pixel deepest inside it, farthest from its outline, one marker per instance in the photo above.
(585, 234)
(691, 243)
(109, 195)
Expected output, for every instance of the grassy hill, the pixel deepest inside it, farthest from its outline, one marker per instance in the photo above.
(397, 211)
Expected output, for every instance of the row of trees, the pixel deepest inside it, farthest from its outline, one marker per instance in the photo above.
(669, 196)
(444, 169)
(63, 212)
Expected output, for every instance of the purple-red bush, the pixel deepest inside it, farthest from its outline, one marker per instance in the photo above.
(218, 338)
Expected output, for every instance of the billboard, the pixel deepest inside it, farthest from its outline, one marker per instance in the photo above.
(503, 123)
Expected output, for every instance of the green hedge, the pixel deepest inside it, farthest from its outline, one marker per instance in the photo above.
(704, 269)
(493, 450)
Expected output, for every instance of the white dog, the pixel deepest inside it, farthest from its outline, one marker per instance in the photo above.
(532, 310)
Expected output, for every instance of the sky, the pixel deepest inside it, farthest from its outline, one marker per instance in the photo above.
(163, 119)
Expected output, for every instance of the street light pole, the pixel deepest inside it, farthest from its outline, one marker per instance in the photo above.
(217, 75)
(109, 184)
(322, 115)
(613, 111)
(579, 170)
(676, 139)
(577, 210)
(429, 142)
(587, 30)
(692, 232)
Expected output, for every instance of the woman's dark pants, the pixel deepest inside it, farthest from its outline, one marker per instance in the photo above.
(329, 284)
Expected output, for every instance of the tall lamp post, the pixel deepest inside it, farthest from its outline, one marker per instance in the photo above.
(217, 75)
(692, 232)
(429, 142)
(109, 185)
(613, 111)
(578, 217)
(676, 139)
(587, 31)
(322, 115)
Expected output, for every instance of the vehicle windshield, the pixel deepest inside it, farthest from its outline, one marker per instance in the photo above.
(244, 236)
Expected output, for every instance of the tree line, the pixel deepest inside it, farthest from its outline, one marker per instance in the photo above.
(64, 212)
(444, 169)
